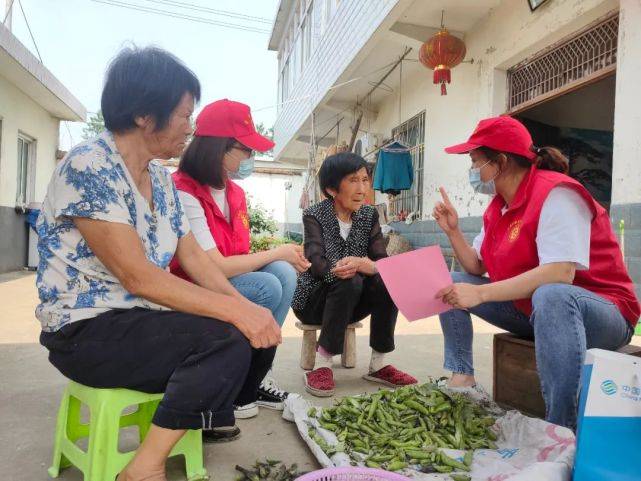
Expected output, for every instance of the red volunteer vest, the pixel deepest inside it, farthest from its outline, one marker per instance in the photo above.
(232, 238)
(509, 247)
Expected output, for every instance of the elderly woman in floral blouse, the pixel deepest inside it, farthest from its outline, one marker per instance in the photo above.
(111, 314)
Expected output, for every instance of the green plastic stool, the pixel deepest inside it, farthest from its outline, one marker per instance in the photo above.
(102, 461)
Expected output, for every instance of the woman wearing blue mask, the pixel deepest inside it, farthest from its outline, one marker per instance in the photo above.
(554, 268)
(222, 151)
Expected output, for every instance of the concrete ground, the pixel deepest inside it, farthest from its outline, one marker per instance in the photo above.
(30, 390)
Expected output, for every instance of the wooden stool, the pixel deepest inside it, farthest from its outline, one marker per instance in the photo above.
(308, 349)
(516, 379)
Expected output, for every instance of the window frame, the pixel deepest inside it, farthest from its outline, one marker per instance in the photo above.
(25, 171)
(297, 47)
(412, 200)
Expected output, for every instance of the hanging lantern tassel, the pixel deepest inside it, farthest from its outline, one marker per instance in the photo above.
(443, 76)
(442, 53)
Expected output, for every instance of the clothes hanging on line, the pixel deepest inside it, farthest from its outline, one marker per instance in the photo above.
(394, 169)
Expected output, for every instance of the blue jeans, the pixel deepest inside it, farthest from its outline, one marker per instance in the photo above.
(566, 320)
(271, 287)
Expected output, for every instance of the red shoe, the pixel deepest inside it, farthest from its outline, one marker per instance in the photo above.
(390, 376)
(320, 382)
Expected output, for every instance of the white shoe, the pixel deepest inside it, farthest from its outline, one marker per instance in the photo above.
(245, 412)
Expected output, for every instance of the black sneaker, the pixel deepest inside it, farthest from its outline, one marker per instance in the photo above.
(221, 434)
(270, 396)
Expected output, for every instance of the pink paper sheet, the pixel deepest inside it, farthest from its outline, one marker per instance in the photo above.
(413, 279)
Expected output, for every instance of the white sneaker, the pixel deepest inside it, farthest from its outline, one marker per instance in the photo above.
(245, 412)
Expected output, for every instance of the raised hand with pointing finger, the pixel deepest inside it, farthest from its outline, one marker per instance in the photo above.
(445, 214)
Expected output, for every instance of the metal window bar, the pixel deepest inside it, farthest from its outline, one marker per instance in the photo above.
(412, 134)
(584, 55)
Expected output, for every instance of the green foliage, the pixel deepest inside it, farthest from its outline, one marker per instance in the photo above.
(266, 132)
(265, 243)
(260, 221)
(95, 126)
(262, 228)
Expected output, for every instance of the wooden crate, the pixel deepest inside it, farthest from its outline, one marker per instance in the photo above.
(516, 380)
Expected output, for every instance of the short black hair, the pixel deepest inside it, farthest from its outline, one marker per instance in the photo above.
(338, 166)
(202, 160)
(147, 81)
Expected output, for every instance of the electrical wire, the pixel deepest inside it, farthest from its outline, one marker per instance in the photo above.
(167, 13)
(182, 16)
(29, 28)
(8, 12)
(69, 132)
(223, 13)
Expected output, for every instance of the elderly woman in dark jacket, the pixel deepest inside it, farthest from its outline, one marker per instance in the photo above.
(343, 241)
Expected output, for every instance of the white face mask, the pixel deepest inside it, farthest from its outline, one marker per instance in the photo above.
(245, 169)
(488, 188)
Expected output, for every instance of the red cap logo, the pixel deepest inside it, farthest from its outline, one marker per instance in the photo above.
(503, 134)
(226, 118)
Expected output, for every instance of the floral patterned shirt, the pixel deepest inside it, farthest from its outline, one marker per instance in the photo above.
(93, 182)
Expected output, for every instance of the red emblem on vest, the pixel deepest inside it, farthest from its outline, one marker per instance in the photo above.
(514, 230)
(244, 218)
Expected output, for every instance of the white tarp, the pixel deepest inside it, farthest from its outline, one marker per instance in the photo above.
(529, 449)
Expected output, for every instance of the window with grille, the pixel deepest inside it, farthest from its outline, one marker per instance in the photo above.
(412, 134)
(589, 54)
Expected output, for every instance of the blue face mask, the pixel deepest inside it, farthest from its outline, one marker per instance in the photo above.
(488, 188)
(244, 170)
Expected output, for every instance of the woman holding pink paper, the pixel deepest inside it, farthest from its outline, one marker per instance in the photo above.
(343, 240)
(555, 268)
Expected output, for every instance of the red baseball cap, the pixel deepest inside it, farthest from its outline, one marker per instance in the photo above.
(226, 118)
(503, 134)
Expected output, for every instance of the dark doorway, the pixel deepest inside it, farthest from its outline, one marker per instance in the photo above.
(581, 124)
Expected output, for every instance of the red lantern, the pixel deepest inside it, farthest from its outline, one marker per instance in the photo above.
(442, 52)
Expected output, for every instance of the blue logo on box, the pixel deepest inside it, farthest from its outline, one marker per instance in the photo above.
(609, 387)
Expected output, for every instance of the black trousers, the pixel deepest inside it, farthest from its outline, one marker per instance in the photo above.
(203, 366)
(334, 306)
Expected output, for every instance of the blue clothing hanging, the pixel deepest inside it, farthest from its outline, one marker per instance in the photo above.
(394, 170)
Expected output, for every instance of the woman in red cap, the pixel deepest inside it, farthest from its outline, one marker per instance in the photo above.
(555, 268)
(222, 150)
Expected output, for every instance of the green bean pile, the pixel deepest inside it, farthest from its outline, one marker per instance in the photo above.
(406, 427)
(268, 470)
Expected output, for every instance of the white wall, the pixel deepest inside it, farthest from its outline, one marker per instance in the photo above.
(349, 29)
(626, 172)
(19, 113)
(269, 191)
(508, 35)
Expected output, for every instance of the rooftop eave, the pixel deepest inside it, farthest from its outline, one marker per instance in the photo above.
(20, 67)
(280, 22)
